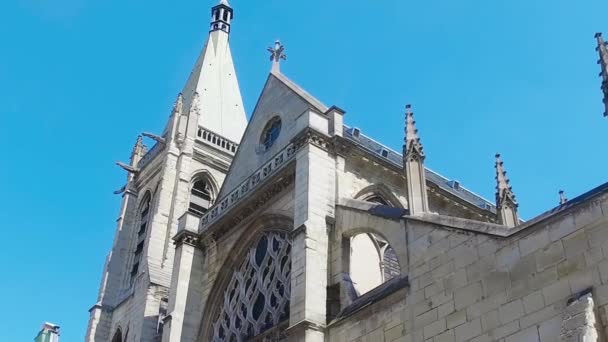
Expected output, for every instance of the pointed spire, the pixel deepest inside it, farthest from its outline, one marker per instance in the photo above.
(505, 198)
(413, 146)
(214, 79)
(221, 16)
(602, 49)
(276, 55)
(413, 163)
(562, 197)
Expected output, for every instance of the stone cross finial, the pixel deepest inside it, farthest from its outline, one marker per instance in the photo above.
(602, 49)
(562, 197)
(276, 55)
(506, 204)
(413, 146)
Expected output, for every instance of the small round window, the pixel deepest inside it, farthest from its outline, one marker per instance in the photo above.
(270, 133)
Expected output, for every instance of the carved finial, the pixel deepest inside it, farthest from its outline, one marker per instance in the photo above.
(178, 105)
(276, 55)
(413, 146)
(139, 149)
(505, 198)
(602, 49)
(503, 188)
(562, 197)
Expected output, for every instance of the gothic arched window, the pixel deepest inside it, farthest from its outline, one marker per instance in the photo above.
(200, 197)
(257, 296)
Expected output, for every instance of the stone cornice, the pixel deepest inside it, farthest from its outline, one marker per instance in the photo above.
(347, 148)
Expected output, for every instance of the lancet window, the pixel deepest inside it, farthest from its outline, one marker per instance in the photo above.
(256, 299)
(201, 197)
(144, 218)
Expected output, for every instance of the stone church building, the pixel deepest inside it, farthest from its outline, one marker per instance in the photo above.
(294, 226)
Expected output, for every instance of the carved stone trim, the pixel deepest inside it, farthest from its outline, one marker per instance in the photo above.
(253, 182)
(310, 136)
(260, 200)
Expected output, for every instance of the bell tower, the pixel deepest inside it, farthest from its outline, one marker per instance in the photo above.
(221, 16)
(183, 171)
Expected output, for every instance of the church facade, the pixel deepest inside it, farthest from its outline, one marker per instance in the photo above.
(296, 227)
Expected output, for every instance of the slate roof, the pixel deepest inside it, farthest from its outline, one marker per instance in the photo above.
(383, 152)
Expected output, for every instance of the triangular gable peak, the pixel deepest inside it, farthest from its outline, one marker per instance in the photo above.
(282, 103)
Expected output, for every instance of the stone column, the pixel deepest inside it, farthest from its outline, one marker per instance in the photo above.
(184, 313)
(314, 201)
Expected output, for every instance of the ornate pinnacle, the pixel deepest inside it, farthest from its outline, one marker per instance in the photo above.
(504, 192)
(562, 198)
(139, 149)
(413, 147)
(276, 55)
(178, 105)
(602, 49)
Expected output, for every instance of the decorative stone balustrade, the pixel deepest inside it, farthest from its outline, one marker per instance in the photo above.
(248, 185)
(216, 140)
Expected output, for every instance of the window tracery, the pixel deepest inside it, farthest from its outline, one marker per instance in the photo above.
(257, 296)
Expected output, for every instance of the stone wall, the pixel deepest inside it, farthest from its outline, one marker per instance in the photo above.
(465, 285)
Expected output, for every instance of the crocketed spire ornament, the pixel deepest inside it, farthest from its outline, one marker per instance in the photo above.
(413, 147)
(506, 204)
(602, 49)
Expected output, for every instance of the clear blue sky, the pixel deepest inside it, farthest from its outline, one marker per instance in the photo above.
(79, 79)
